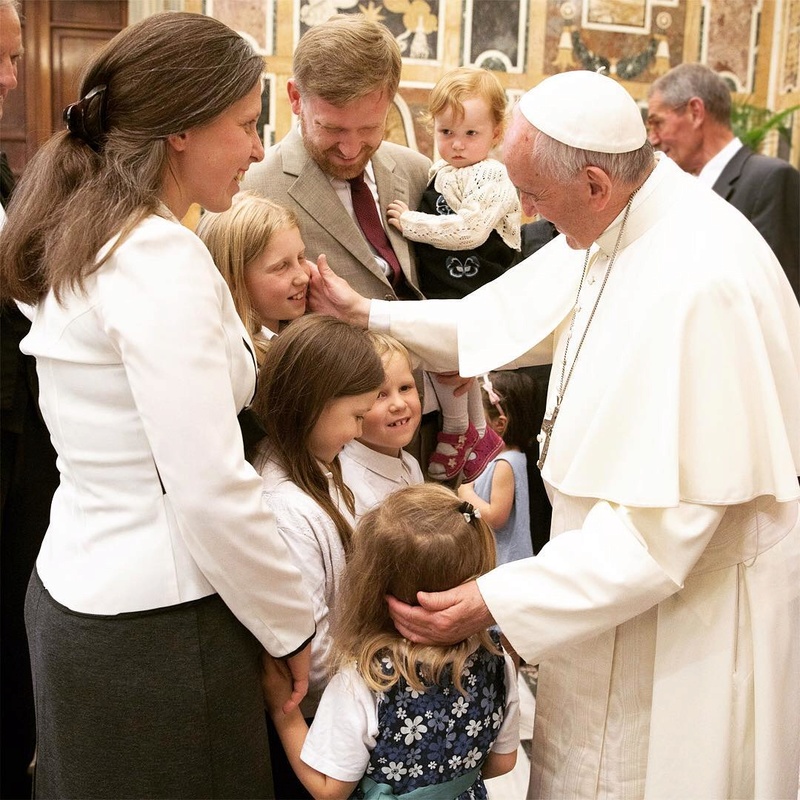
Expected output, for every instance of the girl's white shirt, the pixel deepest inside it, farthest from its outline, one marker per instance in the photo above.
(316, 549)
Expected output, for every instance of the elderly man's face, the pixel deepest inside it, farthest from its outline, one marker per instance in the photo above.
(341, 139)
(563, 204)
(10, 51)
(673, 131)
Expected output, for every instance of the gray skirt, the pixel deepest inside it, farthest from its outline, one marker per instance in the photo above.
(158, 704)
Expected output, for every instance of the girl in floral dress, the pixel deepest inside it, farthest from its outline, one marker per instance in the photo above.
(400, 716)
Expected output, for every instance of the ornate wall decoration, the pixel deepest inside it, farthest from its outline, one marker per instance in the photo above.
(790, 64)
(625, 16)
(414, 23)
(266, 121)
(495, 33)
(730, 39)
(627, 54)
(254, 19)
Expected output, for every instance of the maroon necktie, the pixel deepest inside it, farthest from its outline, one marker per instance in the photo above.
(370, 224)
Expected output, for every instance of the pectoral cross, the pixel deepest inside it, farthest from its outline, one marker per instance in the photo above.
(547, 429)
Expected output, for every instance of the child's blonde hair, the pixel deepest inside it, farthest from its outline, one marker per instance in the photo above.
(417, 539)
(315, 360)
(235, 238)
(463, 83)
(386, 346)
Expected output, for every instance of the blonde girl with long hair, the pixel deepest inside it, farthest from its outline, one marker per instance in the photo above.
(320, 379)
(257, 247)
(401, 717)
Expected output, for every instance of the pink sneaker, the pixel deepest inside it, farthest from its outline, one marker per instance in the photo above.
(488, 446)
(450, 455)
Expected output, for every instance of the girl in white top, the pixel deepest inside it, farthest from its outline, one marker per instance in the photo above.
(256, 245)
(320, 379)
(161, 576)
(468, 234)
(376, 464)
(401, 718)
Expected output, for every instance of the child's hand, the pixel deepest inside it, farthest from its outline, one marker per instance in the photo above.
(276, 683)
(394, 211)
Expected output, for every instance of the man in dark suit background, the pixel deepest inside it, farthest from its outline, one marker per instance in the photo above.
(689, 118)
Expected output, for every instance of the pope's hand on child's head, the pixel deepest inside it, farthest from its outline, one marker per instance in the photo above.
(330, 294)
(442, 617)
(393, 212)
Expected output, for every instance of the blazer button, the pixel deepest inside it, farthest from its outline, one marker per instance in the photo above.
(389, 297)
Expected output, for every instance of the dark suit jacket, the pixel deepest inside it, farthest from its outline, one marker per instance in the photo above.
(767, 191)
(289, 176)
(28, 478)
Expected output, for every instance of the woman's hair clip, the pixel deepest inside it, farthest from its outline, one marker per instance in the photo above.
(469, 512)
(86, 119)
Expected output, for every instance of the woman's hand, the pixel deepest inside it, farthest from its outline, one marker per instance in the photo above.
(284, 681)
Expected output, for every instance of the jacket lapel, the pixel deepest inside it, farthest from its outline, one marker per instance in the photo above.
(725, 185)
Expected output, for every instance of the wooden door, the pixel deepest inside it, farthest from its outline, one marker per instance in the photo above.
(59, 37)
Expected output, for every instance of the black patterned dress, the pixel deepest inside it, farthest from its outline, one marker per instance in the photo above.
(439, 735)
(453, 274)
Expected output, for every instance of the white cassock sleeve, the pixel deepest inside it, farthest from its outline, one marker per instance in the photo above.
(621, 562)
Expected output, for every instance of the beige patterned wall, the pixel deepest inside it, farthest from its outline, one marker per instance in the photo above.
(754, 43)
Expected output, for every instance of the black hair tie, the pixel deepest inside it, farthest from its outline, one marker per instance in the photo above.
(469, 512)
(86, 118)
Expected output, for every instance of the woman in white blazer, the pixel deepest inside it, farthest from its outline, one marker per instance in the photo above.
(162, 578)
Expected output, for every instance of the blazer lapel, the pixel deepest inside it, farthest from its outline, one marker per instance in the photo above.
(393, 186)
(725, 185)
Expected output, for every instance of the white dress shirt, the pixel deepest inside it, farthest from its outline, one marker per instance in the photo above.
(371, 475)
(713, 168)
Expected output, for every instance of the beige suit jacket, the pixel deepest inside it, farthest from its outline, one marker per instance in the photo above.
(289, 176)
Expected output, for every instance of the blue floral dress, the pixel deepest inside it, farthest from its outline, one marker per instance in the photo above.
(438, 735)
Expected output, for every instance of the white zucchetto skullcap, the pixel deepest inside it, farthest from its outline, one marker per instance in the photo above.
(586, 110)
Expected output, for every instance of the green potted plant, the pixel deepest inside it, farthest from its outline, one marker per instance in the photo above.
(751, 123)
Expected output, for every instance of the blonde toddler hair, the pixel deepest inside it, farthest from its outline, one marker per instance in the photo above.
(462, 84)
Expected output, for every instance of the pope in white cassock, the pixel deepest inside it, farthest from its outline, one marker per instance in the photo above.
(665, 611)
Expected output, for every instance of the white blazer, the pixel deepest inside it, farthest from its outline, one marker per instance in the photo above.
(141, 378)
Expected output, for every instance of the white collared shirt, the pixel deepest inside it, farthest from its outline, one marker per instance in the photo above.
(713, 169)
(141, 377)
(372, 475)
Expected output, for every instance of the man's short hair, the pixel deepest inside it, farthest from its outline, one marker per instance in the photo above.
(345, 59)
(686, 81)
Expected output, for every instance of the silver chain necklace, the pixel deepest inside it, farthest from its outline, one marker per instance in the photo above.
(547, 424)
